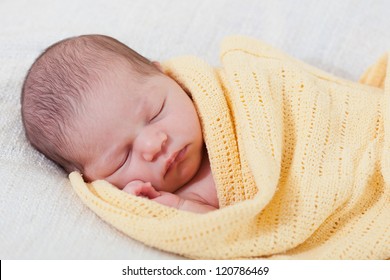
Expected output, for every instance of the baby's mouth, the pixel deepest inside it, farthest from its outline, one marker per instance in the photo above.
(175, 158)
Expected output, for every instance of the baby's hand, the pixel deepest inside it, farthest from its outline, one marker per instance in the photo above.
(140, 188)
(169, 199)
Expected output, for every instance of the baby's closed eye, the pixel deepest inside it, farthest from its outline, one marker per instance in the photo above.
(159, 111)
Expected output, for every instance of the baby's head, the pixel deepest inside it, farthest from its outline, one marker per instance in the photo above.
(93, 105)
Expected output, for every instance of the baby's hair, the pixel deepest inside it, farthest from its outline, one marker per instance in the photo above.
(56, 84)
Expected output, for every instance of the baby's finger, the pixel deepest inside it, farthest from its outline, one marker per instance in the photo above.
(133, 187)
(140, 188)
(148, 191)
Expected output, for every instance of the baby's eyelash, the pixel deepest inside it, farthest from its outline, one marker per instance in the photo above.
(125, 160)
(159, 111)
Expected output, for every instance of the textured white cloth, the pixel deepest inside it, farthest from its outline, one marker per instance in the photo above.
(40, 215)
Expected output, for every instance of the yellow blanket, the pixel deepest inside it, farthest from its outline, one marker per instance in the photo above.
(301, 161)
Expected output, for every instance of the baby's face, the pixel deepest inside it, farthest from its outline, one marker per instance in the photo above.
(146, 131)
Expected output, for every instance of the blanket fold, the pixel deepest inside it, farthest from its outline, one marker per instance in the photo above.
(301, 161)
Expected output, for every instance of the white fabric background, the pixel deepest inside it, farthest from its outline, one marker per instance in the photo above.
(40, 216)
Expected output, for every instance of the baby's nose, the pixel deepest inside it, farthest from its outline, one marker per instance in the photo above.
(154, 146)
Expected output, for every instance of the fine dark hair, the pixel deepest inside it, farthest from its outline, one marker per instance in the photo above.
(56, 85)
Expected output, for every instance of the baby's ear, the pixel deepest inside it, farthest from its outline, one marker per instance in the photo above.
(158, 65)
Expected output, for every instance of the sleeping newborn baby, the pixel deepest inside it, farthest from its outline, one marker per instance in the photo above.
(300, 159)
(93, 105)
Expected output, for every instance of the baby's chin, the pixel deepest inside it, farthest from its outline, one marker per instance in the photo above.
(172, 187)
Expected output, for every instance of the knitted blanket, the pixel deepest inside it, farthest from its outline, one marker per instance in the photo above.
(301, 161)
